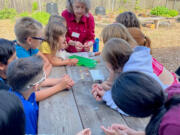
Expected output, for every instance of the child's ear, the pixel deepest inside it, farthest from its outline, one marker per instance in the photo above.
(2, 66)
(29, 40)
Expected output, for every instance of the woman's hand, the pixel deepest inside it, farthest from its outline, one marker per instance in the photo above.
(78, 46)
(88, 45)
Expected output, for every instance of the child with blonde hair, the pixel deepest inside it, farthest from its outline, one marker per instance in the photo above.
(120, 57)
(29, 37)
(54, 41)
(118, 30)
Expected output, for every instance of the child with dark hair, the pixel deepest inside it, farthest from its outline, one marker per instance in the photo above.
(119, 57)
(7, 55)
(128, 19)
(12, 118)
(139, 95)
(25, 76)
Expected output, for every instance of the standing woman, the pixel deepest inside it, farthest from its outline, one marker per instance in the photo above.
(80, 25)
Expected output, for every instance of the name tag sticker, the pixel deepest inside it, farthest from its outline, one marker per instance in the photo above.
(74, 34)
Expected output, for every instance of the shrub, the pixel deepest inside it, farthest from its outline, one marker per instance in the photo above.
(34, 6)
(163, 11)
(173, 13)
(42, 17)
(24, 14)
(8, 13)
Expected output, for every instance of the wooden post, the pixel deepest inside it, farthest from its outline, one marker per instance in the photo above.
(153, 4)
(166, 3)
(174, 4)
(40, 8)
(113, 3)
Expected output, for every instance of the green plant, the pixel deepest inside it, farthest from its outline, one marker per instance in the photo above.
(24, 14)
(163, 11)
(34, 6)
(137, 7)
(8, 13)
(42, 17)
(173, 13)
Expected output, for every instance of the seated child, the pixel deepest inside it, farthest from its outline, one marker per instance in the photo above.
(117, 30)
(24, 76)
(165, 76)
(61, 53)
(55, 42)
(7, 55)
(119, 57)
(146, 99)
(128, 19)
(29, 36)
(12, 118)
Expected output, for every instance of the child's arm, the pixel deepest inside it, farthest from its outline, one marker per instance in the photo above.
(50, 82)
(108, 83)
(65, 83)
(55, 61)
(47, 65)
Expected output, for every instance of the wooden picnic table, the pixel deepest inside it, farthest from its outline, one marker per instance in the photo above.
(70, 111)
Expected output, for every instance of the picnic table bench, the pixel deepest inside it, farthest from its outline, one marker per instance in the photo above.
(70, 111)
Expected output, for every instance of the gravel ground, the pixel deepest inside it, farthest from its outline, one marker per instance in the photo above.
(169, 57)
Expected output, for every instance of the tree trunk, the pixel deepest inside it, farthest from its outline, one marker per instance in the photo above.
(113, 3)
(153, 4)
(166, 3)
(174, 4)
(40, 8)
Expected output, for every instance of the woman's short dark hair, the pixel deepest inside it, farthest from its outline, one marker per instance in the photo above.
(128, 19)
(12, 118)
(7, 49)
(139, 95)
(23, 71)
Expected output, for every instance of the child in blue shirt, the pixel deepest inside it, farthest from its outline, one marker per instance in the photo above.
(12, 118)
(29, 36)
(25, 75)
(7, 54)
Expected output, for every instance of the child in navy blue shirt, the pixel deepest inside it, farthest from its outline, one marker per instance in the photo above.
(7, 54)
(25, 75)
(12, 118)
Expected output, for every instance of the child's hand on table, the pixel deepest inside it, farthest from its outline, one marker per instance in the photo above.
(119, 129)
(86, 131)
(97, 91)
(66, 82)
(73, 62)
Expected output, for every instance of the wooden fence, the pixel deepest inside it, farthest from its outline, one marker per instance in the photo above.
(110, 5)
